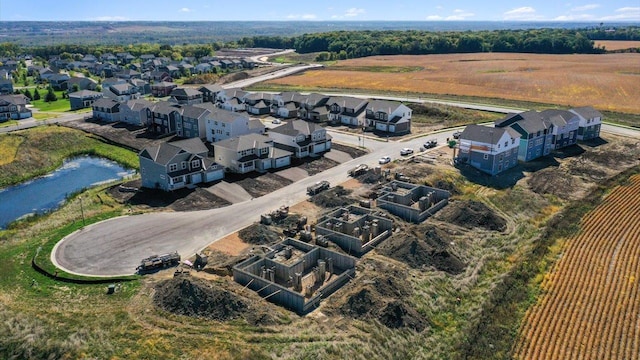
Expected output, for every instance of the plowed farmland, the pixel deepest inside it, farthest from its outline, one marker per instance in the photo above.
(591, 308)
(606, 82)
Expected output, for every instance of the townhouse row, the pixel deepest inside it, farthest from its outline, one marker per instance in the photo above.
(525, 137)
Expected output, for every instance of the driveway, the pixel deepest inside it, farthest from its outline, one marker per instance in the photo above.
(293, 173)
(338, 156)
(231, 192)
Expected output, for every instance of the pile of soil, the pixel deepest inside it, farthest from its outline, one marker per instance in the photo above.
(198, 298)
(234, 77)
(398, 315)
(370, 177)
(332, 198)
(382, 298)
(472, 214)
(178, 200)
(353, 151)
(418, 252)
(259, 234)
(552, 181)
(258, 184)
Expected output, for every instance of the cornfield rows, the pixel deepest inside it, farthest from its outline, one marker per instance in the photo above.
(591, 309)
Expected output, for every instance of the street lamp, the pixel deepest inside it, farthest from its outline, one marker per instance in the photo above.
(81, 210)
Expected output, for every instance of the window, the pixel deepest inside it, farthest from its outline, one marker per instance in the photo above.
(486, 156)
(183, 165)
(506, 143)
(501, 157)
(215, 122)
(173, 167)
(513, 141)
(538, 133)
(195, 163)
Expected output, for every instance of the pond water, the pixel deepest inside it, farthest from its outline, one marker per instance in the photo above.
(50, 191)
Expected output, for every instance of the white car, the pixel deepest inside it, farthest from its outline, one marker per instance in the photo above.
(384, 160)
(276, 121)
(406, 151)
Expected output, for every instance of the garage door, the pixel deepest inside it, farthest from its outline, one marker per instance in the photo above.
(283, 161)
(196, 178)
(214, 175)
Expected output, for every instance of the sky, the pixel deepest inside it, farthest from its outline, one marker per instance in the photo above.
(327, 10)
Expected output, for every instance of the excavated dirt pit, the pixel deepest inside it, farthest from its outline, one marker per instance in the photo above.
(472, 214)
(425, 247)
(334, 197)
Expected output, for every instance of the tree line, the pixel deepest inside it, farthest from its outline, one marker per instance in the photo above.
(355, 44)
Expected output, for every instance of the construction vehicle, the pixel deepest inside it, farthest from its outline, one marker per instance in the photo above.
(156, 262)
(318, 187)
(358, 170)
(430, 144)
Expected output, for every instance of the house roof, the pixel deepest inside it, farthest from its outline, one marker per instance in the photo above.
(211, 88)
(165, 107)
(121, 88)
(291, 96)
(106, 103)
(164, 152)
(15, 99)
(84, 94)
(587, 112)
(348, 102)
(486, 134)
(258, 96)
(315, 99)
(223, 115)
(139, 104)
(530, 121)
(245, 142)
(385, 106)
(296, 127)
(164, 84)
(277, 153)
(193, 112)
(558, 117)
(185, 92)
(256, 124)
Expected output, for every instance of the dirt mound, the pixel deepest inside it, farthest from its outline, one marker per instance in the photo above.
(419, 252)
(361, 304)
(258, 234)
(234, 77)
(398, 315)
(334, 197)
(197, 298)
(471, 214)
(552, 181)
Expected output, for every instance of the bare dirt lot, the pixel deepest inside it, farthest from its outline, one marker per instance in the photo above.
(133, 137)
(605, 81)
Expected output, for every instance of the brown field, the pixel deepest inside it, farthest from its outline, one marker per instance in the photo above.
(591, 308)
(607, 82)
(617, 44)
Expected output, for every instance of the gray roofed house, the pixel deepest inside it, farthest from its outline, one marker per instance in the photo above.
(536, 133)
(162, 88)
(302, 138)
(347, 110)
(14, 107)
(6, 87)
(178, 164)
(224, 124)
(590, 122)
(134, 112)
(489, 149)
(106, 109)
(82, 83)
(566, 125)
(251, 152)
(388, 116)
(188, 96)
(83, 99)
(210, 92)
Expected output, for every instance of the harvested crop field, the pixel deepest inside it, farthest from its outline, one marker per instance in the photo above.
(590, 306)
(612, 45)
(606, 82)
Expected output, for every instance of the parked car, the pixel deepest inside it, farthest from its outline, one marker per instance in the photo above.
(384, 160)
(430, 144)
(276, 121)
(457, 134)
(406, 151)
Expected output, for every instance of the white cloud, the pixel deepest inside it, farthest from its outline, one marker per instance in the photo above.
(301, 16)
(435, 17)
(625, 14)
(575, 17)
(185, 10)
(439, 7)
(353, 12)
(459, 14)
(521, 13)
(585, 7)
(110, 18)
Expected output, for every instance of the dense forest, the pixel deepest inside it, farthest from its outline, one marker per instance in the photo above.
(353, 44)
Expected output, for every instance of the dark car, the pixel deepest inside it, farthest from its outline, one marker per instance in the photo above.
(456, 135)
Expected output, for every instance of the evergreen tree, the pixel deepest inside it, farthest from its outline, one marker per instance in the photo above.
(36, 95)
(51, 96)
(27, 93)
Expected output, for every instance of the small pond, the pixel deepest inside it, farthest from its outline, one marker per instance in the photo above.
(50, 191)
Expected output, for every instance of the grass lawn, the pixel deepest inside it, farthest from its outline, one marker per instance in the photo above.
(44, 116)
(58, 105)
(9, 123)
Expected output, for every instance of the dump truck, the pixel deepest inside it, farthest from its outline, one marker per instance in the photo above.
(318, 187)
(358, 170)
(156, 262)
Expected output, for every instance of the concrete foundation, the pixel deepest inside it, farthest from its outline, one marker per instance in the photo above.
(413, 203)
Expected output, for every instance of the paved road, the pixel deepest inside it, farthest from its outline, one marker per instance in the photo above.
(31, 122)
(116, 246)
(272, 75)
